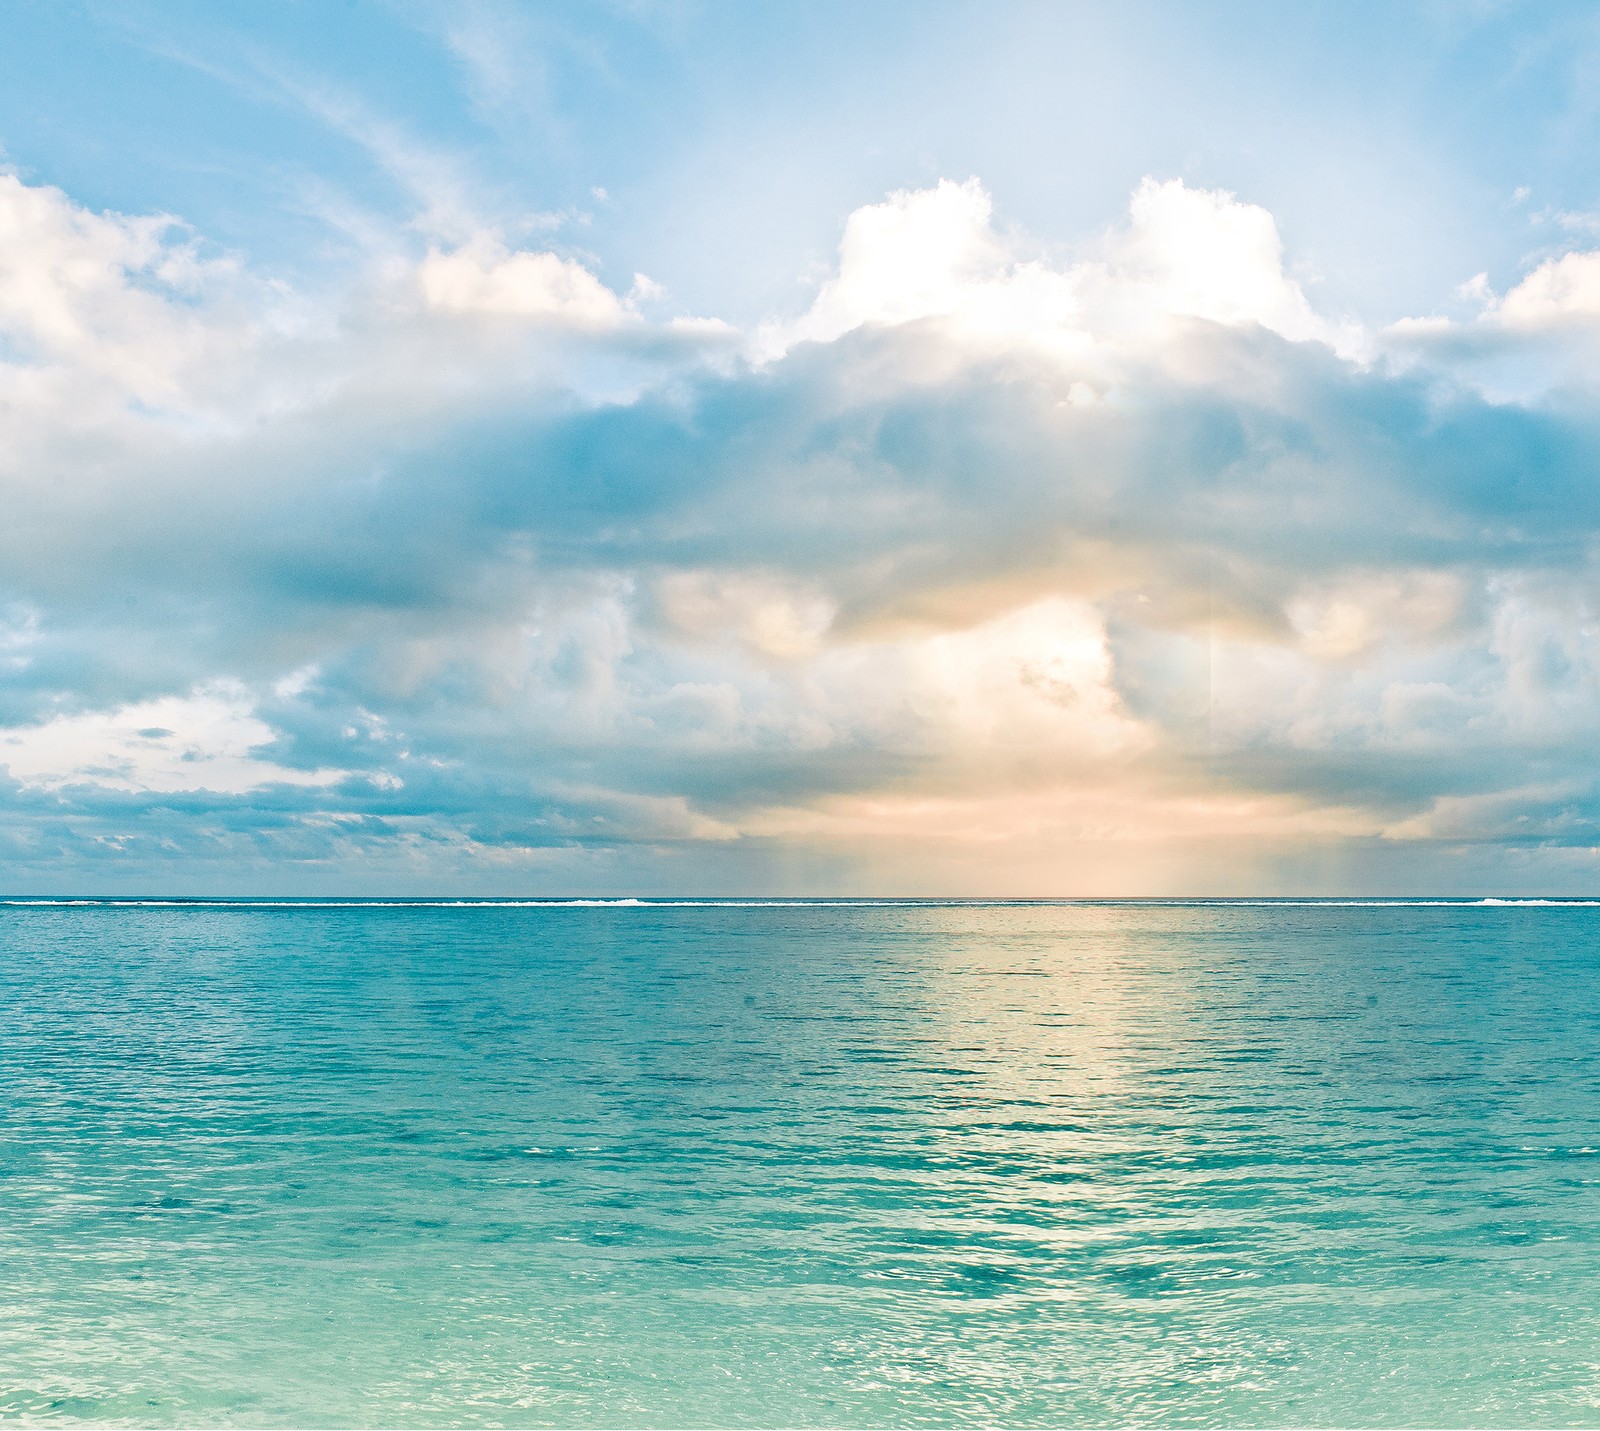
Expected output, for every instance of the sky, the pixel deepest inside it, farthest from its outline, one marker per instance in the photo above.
(498, 448)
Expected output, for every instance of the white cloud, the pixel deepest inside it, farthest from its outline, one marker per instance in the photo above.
(19, 633)
(1558, 290)
(484, 277)
(1183, 254)
(1034, 682)
(1348, 618)
(1201, 253)
(765, 613)
(201, 741)
(105, 305)
(919, 254)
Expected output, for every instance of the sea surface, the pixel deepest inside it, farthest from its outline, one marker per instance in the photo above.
(759, 1164)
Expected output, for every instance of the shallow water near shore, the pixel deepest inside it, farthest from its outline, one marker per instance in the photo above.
(765, 1163)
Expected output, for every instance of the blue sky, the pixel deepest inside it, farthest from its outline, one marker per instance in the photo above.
(730, 140)
(686, 448)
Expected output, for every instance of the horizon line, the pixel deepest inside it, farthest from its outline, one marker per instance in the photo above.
(786, 901)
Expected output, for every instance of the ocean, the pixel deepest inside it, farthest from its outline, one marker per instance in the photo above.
(800, 1163)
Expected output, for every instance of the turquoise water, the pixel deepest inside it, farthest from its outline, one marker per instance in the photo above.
(736, 1165)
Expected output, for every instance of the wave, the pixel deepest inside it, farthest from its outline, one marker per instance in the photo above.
(1545, 903)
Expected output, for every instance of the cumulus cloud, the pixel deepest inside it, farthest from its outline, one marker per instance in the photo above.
(992, 561)
(483, 277)
(1559, 290)
(1183, 254)
(98, 293)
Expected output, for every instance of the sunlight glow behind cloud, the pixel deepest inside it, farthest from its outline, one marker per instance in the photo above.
(1107, 561)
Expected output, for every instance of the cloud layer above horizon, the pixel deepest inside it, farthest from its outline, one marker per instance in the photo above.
(1103, 562)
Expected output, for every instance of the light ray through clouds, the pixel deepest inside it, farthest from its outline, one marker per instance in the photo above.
(998, 568)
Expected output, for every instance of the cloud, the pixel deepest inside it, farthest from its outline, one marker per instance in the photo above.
(1559, 290)
(202, 741)
(989, 563)
(1183, 254)
(483, 277)
(107, 307)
